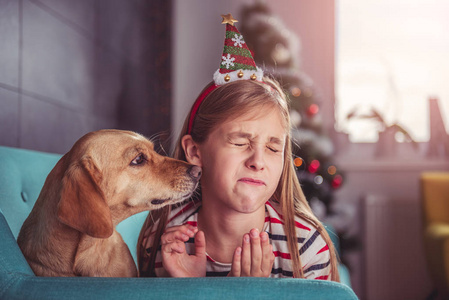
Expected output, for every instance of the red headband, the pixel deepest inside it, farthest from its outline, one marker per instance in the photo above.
(197, 104)
(201, 98)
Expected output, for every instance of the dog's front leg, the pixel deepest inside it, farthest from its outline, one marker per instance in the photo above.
(108, 257)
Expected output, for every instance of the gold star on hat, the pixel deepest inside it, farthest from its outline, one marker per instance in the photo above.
(228, 19)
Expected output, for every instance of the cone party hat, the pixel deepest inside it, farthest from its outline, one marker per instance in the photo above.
(237, 61)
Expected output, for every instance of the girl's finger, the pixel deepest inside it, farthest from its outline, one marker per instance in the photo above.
(256, 252)
(200, 244)
(172, 237)
(236, 260)
(172, 234)
(267, 254)
(186, 228)
(246, 256)
(176, 247)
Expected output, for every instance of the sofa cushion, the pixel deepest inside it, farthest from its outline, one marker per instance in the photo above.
(22, 175)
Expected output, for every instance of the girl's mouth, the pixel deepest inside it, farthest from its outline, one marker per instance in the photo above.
(252, 181)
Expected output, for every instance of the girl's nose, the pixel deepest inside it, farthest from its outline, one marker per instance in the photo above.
(256, 160)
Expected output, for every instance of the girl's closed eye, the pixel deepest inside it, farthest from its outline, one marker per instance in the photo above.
(273, 149)
(275, 146)
(240, 144)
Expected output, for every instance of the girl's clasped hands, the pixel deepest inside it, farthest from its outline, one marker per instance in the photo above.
(253, 258)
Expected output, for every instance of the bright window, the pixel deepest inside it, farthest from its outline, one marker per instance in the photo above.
(391, 56)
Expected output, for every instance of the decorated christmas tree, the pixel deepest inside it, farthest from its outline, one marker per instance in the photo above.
(277, 49)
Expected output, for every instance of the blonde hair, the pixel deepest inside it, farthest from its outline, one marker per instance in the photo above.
(223, 103)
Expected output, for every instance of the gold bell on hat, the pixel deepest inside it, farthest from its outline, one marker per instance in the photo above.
(227, 77)
(240, 74)
(253, 77)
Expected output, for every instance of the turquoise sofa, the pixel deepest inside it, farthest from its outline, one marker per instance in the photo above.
(22, 174)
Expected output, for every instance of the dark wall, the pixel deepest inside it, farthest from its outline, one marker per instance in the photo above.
(69, 67)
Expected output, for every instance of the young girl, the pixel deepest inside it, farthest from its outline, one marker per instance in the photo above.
(250, 217)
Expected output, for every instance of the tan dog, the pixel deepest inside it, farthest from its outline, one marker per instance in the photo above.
(106, 177)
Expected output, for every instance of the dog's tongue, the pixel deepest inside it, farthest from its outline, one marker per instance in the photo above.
(157, 201)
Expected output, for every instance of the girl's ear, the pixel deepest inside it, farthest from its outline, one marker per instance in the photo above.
(191, 150)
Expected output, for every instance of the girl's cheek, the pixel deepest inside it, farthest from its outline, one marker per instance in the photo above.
(277, 161)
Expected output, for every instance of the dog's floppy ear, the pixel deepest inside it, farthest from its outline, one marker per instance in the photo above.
(82, 205)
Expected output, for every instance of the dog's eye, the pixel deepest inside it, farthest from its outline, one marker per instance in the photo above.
(140, 159)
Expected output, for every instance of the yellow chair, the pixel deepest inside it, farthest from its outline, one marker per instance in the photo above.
(435, 196)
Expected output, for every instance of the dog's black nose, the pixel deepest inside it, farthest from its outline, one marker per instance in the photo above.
(195, 172)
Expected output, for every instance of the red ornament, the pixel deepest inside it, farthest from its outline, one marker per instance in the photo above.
(314, 166)
(337, 181)
(313, 110)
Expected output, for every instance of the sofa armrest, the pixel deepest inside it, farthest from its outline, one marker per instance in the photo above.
(11, 257)
(26, 287)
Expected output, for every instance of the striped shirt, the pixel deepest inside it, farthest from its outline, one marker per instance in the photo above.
(313, 250)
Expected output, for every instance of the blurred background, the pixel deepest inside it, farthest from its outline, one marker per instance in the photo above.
(367, 83)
